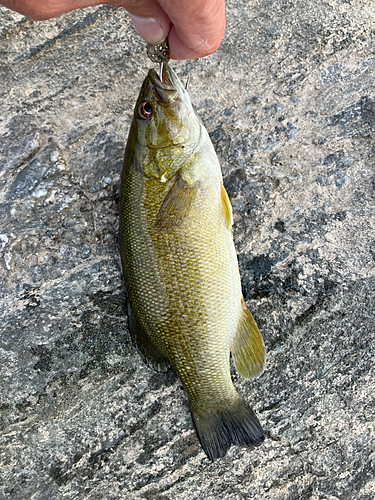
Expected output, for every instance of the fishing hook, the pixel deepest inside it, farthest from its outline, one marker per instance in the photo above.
(161, 71)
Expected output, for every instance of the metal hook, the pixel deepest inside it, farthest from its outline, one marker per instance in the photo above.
(161, 71)
(187, 82)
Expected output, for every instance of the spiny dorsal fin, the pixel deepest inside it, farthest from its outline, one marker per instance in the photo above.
(152, 357)
(227, 208)
(248, 348)
(176, 205)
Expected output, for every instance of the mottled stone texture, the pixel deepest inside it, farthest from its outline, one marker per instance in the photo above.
(289, 102)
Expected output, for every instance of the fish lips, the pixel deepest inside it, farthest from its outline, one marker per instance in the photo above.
(165, 89)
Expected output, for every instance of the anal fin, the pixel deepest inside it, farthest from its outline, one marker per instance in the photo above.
(248, 348)
(152, 357)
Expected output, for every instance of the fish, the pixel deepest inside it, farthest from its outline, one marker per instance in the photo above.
(186, 308)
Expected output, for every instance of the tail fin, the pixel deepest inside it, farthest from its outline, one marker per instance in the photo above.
(237, 424)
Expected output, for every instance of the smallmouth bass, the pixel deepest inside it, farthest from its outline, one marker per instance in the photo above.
(186, 308)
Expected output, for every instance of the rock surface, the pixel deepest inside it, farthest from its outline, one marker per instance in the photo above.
(289, 102)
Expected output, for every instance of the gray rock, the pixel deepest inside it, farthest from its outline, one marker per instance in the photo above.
(289, 102)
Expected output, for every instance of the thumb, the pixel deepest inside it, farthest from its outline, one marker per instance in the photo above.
(148, 17)
(198, 27)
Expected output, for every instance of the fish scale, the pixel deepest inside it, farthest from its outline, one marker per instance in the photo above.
(180, 265)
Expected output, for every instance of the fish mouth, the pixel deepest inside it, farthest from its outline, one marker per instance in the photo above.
(164, 84)
(172, 145)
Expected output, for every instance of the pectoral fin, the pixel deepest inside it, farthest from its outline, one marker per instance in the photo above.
(176, 205)
(248, 348)
(227, 208)
(152, 357)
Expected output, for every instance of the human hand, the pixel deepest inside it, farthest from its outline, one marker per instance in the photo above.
(195, 28)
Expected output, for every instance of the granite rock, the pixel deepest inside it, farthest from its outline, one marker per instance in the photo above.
(289, 102)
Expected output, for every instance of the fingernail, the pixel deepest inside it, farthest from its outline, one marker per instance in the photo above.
(149, 28)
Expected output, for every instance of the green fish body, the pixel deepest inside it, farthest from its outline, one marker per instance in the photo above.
(180, 264)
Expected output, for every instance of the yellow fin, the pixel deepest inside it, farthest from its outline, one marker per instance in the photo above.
(248, 348)
(227, 208)
(176, 205)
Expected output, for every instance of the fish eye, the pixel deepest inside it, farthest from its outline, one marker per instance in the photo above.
(145, 110)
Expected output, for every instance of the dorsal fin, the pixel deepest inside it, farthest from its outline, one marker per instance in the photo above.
(227, 208)
(248, 348)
